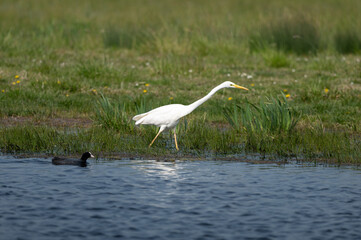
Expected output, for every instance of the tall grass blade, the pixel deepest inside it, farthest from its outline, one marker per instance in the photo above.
(112, 116)
(272, 115)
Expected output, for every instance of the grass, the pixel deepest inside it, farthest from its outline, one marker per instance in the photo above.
(347, 41)
(276, 59)
(294, 34)
(109, 61)
(271, 116)
(314, 144)
(112, 115)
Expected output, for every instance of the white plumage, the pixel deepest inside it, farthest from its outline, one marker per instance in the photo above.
(167, 117)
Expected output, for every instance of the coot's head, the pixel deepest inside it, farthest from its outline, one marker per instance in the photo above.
(86, 155)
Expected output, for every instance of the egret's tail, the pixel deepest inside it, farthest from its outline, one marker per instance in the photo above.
(138, 118)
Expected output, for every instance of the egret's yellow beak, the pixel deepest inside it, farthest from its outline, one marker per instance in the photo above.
(240, 87)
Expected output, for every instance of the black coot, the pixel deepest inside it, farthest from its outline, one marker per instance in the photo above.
(77, 162)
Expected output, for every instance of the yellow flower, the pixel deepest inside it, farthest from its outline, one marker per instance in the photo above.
(16, 76)
(3, 90)
(326, 90)
(285, 90)
(171, 98)
(147, 84)
(13, 83)
(105, 86)
(288, 95)
(58, 82)
(252, 84)
(230, 98)
(94, 90)
(66, 95)
(17, 81)
(145, 91)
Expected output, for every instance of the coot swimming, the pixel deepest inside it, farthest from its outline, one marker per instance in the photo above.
(77, 162)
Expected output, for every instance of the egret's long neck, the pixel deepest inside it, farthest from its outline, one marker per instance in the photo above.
(199, 102)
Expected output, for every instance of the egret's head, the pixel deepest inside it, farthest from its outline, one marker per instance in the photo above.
(229, 84)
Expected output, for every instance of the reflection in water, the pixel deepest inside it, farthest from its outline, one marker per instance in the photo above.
(165, 170)
(177, 200)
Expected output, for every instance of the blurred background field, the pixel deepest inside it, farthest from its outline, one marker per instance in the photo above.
(58, 57)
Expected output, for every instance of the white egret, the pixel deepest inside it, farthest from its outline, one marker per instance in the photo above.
(167, 117)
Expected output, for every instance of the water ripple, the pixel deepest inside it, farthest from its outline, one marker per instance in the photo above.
(177, 200)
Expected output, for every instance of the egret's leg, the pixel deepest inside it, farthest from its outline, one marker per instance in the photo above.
(175, 140)
(160, 130)
(154, 139)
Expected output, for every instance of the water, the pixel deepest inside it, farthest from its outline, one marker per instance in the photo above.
(127, 199)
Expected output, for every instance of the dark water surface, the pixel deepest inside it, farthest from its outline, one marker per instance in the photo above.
(128, 199)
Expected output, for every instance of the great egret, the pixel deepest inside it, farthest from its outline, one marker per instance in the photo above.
(167, 117)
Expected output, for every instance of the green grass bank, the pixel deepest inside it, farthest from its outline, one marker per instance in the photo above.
(58, 58)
